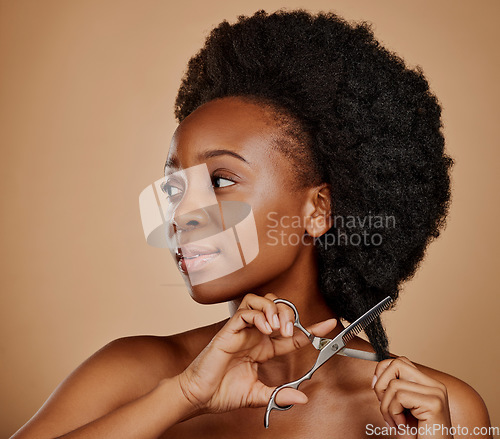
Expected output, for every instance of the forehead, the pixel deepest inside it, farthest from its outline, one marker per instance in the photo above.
(244, 127)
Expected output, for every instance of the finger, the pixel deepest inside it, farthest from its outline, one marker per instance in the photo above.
(394, 413)
(395, 387)
(258, 319)
(287, 319)
(232, 339)
(400, 369)
(421, 406)
(271, 296)
(406, 360)
(245, 318)
(383, 365)
(275, 317)
(283, 346)
(264, 304)
(289, 396)
(261, 396)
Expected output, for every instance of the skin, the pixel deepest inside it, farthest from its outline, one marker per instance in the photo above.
(221, 375)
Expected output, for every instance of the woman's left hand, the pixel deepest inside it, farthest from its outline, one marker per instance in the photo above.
(408, 396)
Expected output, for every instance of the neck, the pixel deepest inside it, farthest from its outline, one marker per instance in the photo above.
(300, 286)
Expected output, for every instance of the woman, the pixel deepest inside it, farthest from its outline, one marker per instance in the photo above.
(298, 117)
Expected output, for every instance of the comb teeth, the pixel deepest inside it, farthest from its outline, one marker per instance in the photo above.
(368, 317)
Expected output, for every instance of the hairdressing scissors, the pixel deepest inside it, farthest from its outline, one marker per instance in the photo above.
(328, 348)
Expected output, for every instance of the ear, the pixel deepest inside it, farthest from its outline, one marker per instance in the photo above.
(317, 214)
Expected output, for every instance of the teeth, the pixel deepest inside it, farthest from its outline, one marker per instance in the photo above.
(191, 257)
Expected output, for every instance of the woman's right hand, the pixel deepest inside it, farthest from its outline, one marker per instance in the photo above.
(224, 376)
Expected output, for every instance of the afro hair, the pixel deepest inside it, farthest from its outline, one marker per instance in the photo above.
(373, 131)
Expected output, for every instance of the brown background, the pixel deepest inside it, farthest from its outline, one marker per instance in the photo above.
(87, 90)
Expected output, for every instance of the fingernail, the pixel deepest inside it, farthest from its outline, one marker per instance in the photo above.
(303, 400)
(374, 380)
(330, 321)
(276, 321)
(268, 327)
(289, 329)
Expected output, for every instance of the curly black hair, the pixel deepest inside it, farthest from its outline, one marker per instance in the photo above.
(372, 129)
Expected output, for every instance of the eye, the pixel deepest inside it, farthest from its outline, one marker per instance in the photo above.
(219, 182)
(170, 189)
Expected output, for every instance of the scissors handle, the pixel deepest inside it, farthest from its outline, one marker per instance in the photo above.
(328, 348)
(272, 405)
(297, 323)
(317, 343)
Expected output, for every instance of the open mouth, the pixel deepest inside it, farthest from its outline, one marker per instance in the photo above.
(194, 258)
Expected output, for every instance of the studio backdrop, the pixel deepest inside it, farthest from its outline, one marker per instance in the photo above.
(86, 114)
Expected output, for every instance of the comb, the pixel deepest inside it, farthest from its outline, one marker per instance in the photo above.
(362, 322)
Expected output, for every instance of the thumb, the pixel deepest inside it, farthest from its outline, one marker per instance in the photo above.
(289, 396)
(286, 345)
(322, 328)
(284, 397)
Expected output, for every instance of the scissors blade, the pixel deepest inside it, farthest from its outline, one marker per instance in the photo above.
(355, 353)
(362, 322)
(338, 343)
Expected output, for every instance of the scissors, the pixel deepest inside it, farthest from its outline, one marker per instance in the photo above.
(328, 348)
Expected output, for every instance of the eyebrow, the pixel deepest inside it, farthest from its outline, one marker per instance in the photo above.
(170, 163)
(174, 163)
(217, 152)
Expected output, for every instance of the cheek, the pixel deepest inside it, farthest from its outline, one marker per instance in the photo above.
(280, 238)
(280, 228)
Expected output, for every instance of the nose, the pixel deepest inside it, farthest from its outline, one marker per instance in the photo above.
(190, 220)
(190, 209)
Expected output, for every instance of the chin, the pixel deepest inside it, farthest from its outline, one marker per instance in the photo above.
(250, 278)
(215, 291)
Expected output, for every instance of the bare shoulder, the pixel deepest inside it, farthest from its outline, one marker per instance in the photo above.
(142, 361)
(466, 405)
(150, 358)
(190, 343)
(121, 371)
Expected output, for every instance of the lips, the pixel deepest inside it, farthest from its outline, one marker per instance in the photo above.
(195, 257)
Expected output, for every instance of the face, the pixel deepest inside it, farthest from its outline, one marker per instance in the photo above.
(229, 145)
